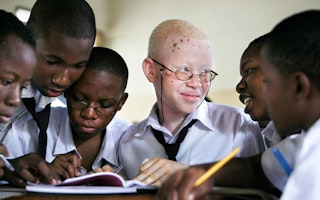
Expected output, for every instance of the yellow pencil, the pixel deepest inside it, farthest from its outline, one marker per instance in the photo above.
(216, 167)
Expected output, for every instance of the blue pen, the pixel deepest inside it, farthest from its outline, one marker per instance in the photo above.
(284, 164)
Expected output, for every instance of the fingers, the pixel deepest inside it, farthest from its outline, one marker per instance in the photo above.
(31, 167)
(154, 171)
(157, 170)
(48, 173)
(67, 165)
(14, 179)
(181, 185)
(3, 150)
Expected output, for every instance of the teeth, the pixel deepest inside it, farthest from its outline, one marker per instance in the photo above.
(246, 100)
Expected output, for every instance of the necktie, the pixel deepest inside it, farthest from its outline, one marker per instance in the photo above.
(42, 120)
(172, 149)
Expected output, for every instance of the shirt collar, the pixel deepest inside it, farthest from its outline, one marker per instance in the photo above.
(201, 114)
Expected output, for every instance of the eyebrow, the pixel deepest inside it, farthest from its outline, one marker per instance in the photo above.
(61, 60)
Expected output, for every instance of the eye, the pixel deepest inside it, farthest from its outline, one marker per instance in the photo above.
(75, 97)
(107, 104)
(82, 65)
(52, 61)
(206, 71)
(185, 69)
(5, 82)
(250, 70)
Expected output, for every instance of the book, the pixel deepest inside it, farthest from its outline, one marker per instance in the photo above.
(101, 179)
(96, 183)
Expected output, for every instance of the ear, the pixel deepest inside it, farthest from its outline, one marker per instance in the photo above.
(303, 85)
(149, 69)
(122, 100)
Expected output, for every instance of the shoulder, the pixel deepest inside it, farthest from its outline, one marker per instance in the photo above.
(136, 129)
(117, 123)
(226, 111)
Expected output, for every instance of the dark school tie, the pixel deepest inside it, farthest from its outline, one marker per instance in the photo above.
(42, 120)
(172, 149)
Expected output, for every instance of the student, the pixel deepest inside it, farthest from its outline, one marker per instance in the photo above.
(17, 62)
(251, 88)
(86, 129)
(290, 64)
(64, 33)
(179, 64)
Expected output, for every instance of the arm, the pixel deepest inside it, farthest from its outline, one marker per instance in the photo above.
(239, 172)
(157, 170)
(67, 165)
(30, 167)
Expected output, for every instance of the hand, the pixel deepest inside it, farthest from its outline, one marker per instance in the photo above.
(180, 185)
(108, 168)
(105, 168)
(157, 170)
(67, 165)
(33, 168)
(3, 151)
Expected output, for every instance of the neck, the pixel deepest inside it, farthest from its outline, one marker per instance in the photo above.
(172, 121)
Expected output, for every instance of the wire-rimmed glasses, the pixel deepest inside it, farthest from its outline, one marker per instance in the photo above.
(101, 110)
(185, 73)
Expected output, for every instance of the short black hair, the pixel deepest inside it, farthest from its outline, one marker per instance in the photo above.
(11, 25)
(294, 45)
(74, 18)
(110, 61)
(258, 42)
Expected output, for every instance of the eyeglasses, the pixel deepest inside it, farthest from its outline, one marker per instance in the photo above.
(185, 74)
(100, 110)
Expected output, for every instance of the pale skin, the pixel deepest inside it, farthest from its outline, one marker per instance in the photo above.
(179, 98)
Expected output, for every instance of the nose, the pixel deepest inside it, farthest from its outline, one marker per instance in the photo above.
(13, 97)
(61, 78)
(241, 86)
(90, 112)
(194, 81)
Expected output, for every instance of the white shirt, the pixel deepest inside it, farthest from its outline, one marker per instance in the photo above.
(20, 112)
(218, 130)
(24, 138)
(271, 166)
(270, 135)
(304, 182)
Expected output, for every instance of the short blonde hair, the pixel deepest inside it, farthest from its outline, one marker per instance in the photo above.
(172, 27)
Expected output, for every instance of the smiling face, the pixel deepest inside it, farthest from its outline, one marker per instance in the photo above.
(17, 62)
(251, 86)
(60, 62)
(97, 89)
(181, 97)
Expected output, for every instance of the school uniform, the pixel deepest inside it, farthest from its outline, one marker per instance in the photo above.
(217, 131)
(272, 167)
(21, 113)
(24, 138)
(304, 182)
(270, 136)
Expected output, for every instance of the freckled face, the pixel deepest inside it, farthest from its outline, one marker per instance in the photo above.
(251, 86)
(183, 96)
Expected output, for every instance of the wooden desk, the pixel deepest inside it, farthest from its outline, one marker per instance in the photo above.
(91, 197)
(217, 194)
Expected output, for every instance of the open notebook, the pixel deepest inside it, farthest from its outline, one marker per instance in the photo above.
(96, 183)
